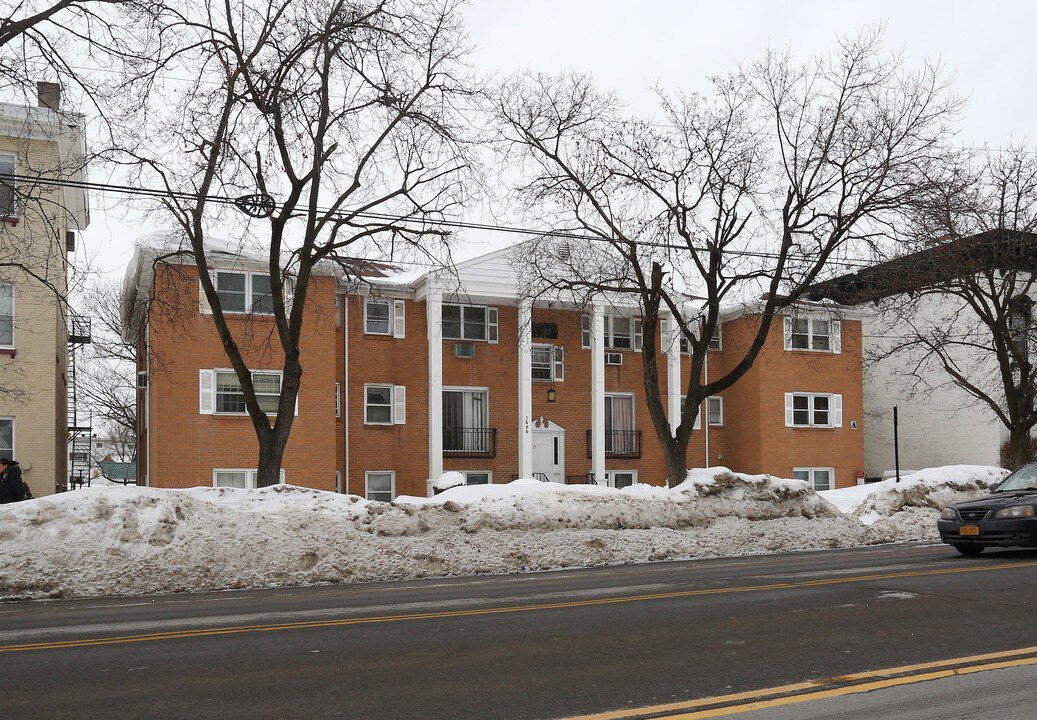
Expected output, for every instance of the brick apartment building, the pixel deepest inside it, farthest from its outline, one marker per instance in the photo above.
(403, 381)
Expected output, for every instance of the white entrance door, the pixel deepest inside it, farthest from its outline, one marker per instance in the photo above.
(548, 451)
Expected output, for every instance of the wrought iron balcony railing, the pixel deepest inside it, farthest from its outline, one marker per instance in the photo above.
(618, 444)
(470, 442)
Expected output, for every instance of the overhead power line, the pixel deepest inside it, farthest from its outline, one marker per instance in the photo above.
(160, 193)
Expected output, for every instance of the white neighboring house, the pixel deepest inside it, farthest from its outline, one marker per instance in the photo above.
(939, 422)
(939, 425)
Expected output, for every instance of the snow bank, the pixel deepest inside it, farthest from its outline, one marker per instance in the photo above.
(125, 541)
(935, 488)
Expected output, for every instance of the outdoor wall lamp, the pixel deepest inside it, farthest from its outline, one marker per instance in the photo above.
(551, 394)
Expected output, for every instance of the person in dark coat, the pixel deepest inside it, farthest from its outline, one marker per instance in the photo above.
(11, 486)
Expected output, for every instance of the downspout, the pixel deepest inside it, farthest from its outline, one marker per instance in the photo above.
(345, 385)
(705, 381)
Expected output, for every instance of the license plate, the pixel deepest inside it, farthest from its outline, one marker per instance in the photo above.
(969, 530)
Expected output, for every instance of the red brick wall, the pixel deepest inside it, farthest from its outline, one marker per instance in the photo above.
(186, 446)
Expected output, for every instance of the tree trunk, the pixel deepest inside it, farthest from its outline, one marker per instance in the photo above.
(1020, 448)
(675, 452)
(271, 453)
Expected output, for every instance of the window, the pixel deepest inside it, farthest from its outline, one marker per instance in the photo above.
(244, 479)
(470, 322)
(338, 399)
(621, 479)
(379, 486)
(385, 404)
(242, 292)
(548, 363)
(466, 420)
(621, 333)
(808, 333)
(813, 410)
(7, 437)
(620, 435)
(714, 342)
(477, 478)
(230, 397)
(715, 410)
(8, 197)
(698, 416)
(820, 478)
(376, 317)
(6, 315)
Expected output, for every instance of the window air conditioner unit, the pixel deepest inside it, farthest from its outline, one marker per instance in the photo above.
(613, 358)
(464, 350)
(142, 379)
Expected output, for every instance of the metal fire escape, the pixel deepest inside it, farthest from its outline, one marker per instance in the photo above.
(80, 433)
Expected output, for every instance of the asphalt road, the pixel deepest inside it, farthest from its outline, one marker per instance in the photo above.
(784, 632)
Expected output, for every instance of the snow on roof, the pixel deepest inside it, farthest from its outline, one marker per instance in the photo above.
(124, 541)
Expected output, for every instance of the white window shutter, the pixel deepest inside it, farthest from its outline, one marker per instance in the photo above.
(837, 411)
(787, 322)
(559, 374)
(399, 319)
(789, 417)
(206, 392)
(203, 302)
(399, 395)
(491, 324)
(837, 336)
(585, 334)
(638, 334)
(698, 420)
(289, 293)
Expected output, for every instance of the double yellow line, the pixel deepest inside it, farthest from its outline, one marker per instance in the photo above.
(794, 693)
(341, 622)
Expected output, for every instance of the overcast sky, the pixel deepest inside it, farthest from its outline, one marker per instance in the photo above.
(631, 46)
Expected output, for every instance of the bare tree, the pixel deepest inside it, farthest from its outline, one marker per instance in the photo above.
(339, 122)
(958, 311)
(107, 376)
(744, 196)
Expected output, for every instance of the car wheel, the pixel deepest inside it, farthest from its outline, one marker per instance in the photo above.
(968, 549)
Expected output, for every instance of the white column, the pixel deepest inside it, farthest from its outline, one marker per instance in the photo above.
(434, 311)
(598, 392)
(674, 386)
(525, 388)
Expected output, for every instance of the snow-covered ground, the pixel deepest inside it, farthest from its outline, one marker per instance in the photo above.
(125, 541)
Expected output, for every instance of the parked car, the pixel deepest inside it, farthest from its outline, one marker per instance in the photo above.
(1007, 517)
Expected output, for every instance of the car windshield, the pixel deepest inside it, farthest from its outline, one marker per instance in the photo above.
(1025, 478)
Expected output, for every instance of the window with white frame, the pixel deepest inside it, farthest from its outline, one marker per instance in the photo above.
(243, 478)
(8, 195)
(621, 478)
(6, 315)
(7, 437)
(698, 415)
(621, 333)
(244, 292)
(715, 410)
(548, 362)
(377, 317)
(469, 322)
(714, 342)
(385, 317)
(466, 420)
(478, 477)
(812, 333)
(820, 478)
(379, 486)
(620, 424)
(230, 396)
(220, 392)
(813, 410)
(385, 404)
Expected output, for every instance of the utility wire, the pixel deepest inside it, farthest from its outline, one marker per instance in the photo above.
(158, 193)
